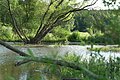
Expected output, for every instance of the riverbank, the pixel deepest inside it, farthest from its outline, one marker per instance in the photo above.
(112, 48)
(79, 50)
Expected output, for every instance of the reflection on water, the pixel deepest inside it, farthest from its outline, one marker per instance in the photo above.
(7, 60)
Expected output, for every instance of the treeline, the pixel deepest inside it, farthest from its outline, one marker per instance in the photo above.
(102, 25)
(90, 26)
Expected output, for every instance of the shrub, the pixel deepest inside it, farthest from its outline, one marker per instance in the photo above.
(61, 32)
(78, 37)
(100, 39)
(49, 37)
(6, 32)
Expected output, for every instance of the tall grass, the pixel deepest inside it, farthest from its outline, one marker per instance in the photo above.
(107, 69)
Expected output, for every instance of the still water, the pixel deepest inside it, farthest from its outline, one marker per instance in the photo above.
(8, 59)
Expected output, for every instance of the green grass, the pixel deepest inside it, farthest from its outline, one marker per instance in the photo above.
(106, 49)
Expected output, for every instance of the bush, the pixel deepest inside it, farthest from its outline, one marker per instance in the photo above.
(78, 37)
(60, 32)
(100, 39)
(95, 39)
(49, 37)
(6, 32)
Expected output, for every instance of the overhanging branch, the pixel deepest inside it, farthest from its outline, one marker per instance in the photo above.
(13, 49)
(49, 60)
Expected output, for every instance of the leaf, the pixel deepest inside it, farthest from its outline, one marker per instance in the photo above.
(30, 52)
(20, 58)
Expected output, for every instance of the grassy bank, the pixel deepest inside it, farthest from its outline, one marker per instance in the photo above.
(106, 49)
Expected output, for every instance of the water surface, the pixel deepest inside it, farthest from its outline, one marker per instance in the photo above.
(8, 59)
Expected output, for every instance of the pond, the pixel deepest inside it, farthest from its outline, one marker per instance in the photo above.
(8, 59)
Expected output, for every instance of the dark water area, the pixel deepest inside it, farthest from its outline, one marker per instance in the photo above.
(8, 70)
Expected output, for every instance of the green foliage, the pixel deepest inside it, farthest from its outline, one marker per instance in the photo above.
(29, 16)
(49, 37)
(77, 36)
(61, 32)
(105, 21)
(106, 49)
(9, 78)
(6, 32)
(113, 28)
(97, 38)
(32, 16)
(30, 53)
(57, 34)
(96, 63)
(95, 19)
(108, 70)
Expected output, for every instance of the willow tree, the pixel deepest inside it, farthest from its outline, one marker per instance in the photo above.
(41, 16)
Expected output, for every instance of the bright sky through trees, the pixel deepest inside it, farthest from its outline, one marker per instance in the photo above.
(100, 5)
